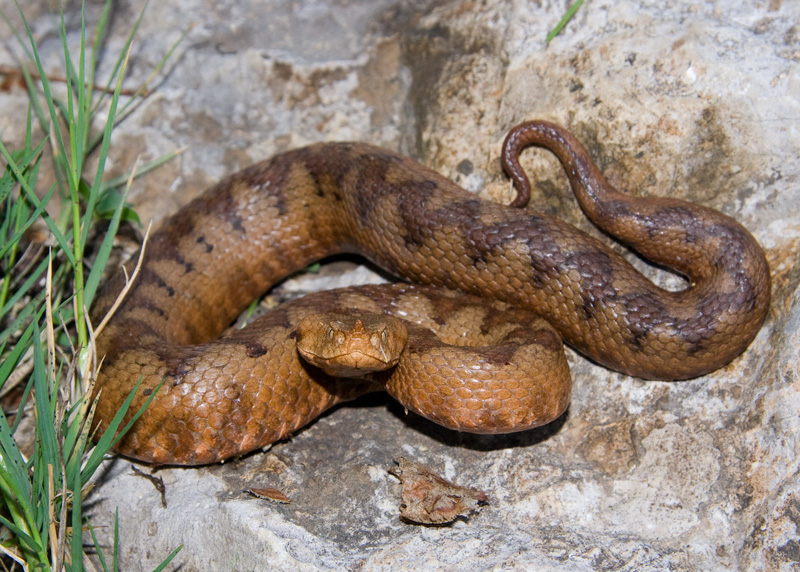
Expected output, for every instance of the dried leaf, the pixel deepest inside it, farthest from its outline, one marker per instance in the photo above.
(270, 494)
(427, 498)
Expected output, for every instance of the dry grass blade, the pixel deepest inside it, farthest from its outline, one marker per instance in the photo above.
(14, 556)
(128, 283)
(15, 75)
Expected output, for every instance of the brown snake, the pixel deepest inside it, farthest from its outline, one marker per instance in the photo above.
(248, 389)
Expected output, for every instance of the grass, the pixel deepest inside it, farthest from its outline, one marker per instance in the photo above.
(46, 335)
(563, 21)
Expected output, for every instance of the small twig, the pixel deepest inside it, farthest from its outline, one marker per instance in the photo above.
(16, 75)
(158, 483)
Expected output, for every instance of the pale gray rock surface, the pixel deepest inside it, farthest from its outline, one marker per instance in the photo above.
(685, 99)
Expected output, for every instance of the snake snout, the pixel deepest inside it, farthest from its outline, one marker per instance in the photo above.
(351, 345)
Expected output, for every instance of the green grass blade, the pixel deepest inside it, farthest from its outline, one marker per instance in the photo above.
(77, 520)
(110, 436)
(44, 82)
(168, 559)
(84, 92)
(18, 218)
(15, 355)
(45, 402)
(97, 549)
(20, 534)
(29, 83)
(99, 37)
(96, 273)
(76, 436)
(22, 290)
(74, 445)
(31, 196)
(73, 121)
(27, 165)
(23, 161)
(116, 540)
(142, 92)
(32, 218)
(21, 407)
(104, 151)
(107, 203)
(46, 450)
(19, 319)
(141, 170)
(29, 129)
(117, 71)
(20, 502)
(12, 464)
(563, 22)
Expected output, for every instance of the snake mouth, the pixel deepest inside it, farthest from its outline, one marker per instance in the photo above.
(350, 364)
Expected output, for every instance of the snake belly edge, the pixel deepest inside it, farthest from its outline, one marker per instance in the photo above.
(252, 229)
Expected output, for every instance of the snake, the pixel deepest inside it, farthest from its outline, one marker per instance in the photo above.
(490, 291)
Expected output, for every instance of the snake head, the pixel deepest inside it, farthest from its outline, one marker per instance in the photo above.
(351, 346)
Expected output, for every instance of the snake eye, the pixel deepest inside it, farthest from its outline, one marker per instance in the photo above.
(330, 333)
(384, 336)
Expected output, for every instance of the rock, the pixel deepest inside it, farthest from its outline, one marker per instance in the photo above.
(680, 99)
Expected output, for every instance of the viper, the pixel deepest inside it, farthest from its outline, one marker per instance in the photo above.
(490, 361)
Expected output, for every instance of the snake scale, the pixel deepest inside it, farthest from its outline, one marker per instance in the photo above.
(225, 396)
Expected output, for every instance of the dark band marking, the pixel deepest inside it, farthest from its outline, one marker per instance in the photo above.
(202, 240)
(548, 339)
(254, 349)
(149, 276)
(597, 275)
(371, 185)
(644, 312)
(418, 223)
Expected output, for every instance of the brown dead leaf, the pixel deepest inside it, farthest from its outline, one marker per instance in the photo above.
(429, 499)
(270, 494)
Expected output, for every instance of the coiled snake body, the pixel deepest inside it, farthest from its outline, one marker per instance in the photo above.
(227, 397)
